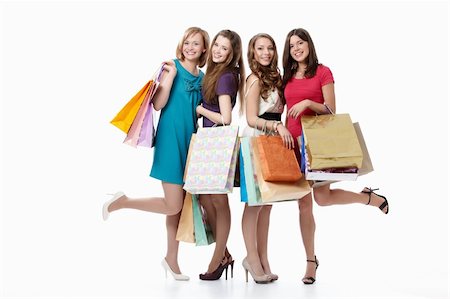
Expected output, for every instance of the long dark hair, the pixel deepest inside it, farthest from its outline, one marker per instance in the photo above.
(269, 76)
(234, 64)
(290, 65)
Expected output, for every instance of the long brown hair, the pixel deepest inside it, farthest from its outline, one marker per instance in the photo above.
(269, 76)
(290, 65)
(190, 32)
(234, 64)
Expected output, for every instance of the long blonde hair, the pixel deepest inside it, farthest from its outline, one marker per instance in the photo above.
(234, 64)
(269, 76)
(189, 32)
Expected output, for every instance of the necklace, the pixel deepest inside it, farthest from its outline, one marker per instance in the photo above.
(300, 75)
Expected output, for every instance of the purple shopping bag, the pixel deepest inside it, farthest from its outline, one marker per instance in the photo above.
(136, 127)
(147, 134)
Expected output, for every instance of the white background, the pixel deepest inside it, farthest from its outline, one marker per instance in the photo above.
(68, 67)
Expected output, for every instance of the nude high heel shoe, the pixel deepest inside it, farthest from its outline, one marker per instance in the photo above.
(257, 278)
(116, 196)
(175, 276)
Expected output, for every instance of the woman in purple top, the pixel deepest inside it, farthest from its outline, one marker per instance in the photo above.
(222, 82)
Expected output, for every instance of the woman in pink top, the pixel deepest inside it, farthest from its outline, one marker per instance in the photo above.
(309, 90)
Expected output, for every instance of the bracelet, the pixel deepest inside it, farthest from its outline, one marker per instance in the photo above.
(275, 126)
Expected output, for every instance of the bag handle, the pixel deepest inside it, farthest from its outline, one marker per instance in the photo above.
(263, 128)
(223, 123)
(158, 73)
(248, 89)
(328, 108)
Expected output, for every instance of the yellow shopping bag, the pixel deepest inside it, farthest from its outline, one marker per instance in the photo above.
(127, 114)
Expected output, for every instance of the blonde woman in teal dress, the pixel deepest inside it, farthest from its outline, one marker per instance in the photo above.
(178, 96)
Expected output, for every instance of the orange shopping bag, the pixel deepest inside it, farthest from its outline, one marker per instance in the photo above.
(278, 163)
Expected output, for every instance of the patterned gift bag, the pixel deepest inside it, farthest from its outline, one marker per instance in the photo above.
(212, 163)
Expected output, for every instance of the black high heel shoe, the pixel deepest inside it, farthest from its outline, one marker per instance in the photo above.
(230, 262)
(385, 204)
(216, 274)
(310, 279)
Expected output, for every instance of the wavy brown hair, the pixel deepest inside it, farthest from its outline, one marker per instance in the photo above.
(234, 64)
(190, 32)
(290, 65)
(269, 76)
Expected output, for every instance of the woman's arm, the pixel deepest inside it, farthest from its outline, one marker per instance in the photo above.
(252, 104)
(329, 100)
(216, 117)
(253, 120)
(329, 97)
(162, 95)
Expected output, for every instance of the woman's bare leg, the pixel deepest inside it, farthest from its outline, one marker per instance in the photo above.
(249, 231)
(223, 224)
(262, 235)
(172, 243)
(170, 204)
(324, 196)
(308, 228)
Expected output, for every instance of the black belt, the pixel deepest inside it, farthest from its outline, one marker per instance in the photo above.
(271, 116)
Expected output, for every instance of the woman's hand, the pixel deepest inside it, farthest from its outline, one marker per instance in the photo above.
(288, 140)
(298, 108)
(170, 67)
(199, 110)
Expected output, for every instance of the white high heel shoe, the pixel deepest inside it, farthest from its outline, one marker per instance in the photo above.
(176, 276)
(106, 205)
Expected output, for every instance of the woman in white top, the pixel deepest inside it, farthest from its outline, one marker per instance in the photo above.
(264, 107)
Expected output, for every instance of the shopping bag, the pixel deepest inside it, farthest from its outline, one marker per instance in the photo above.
(147, 134)
(212, 163)
(242, 187)
(124, 119)
(252, 192)
(185, 231)
(191, 145)
(277, 191)
(278, 163)
(366, 166)
(133, 134)
(328, 176)
(202, 230)
(331, 141)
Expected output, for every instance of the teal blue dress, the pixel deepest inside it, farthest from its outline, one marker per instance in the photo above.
(177, 122)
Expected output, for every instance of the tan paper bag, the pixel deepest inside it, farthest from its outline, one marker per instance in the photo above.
(366, 166)
(185, 231)
(331, 141)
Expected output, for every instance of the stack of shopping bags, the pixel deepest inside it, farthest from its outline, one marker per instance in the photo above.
(269, 171)
(136, 118)
(333, 148)
(193, 226)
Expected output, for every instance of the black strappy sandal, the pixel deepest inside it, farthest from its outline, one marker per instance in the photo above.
(383, 205)
(310, 279)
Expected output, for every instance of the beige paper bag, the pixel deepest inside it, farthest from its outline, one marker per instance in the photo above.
(331, 141)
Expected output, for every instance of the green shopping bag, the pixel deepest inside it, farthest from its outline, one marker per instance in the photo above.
(253, 193)
(202, 231)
